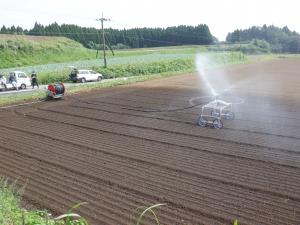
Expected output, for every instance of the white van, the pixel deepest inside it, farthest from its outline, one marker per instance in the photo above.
(22, 81)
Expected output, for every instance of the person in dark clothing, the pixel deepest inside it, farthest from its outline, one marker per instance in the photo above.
(12, 79)
(34, 79)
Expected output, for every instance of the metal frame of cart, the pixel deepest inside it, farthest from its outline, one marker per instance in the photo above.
(213, 113)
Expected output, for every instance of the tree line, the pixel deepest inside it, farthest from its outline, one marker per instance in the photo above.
(122, 38)
(280, 39)
(274, 38)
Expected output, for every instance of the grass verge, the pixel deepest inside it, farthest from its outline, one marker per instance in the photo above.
(23, 50)
(20, 98)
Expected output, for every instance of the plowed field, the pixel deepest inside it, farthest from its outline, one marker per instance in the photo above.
(137, 145)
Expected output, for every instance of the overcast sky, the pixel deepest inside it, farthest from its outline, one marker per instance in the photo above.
(222, 16)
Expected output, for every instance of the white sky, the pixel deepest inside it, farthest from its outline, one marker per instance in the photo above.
(221, 16)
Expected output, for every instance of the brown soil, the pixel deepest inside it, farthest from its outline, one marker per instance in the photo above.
(125, 147)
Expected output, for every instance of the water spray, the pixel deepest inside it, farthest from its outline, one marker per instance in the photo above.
(202, 64)
(217, 109)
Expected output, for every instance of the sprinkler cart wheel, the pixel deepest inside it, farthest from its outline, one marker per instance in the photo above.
(202, 122)
(217, 124)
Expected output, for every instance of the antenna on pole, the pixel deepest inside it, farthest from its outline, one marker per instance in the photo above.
(102, 19)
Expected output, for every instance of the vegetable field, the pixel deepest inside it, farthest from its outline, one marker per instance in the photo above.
(131, 63)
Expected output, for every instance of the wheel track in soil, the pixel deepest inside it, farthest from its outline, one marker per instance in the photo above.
(264, 103)
(239, 124)
(284, 112)
(191, 111)
(195, 111)
(127, 123)
(193, 123)
(161, 99)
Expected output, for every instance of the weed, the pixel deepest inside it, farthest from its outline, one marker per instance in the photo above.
(151, 210)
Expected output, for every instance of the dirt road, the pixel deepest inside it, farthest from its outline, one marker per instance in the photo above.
(131, 146)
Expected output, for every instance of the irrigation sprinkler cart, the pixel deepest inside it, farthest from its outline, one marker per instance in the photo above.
(213, 113)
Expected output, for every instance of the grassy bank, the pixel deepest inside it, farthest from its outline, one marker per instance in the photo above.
(20, 50)
(20, 98)
(44, 54)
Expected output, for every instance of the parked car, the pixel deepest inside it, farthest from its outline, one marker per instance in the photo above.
(21, 81)
(85, 75)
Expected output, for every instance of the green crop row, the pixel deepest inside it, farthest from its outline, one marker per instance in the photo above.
(137, 69)
(123, 70)
(135, 66)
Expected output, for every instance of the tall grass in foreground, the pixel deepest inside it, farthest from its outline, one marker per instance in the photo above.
(9, 202)
(12, 214)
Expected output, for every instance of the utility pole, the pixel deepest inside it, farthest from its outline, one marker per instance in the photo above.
(102, 19)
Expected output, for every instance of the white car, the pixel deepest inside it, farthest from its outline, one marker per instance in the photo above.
(22, 81)
(85, 75)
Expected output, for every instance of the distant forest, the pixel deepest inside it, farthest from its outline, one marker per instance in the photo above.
(126, 38)
(278, 39)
